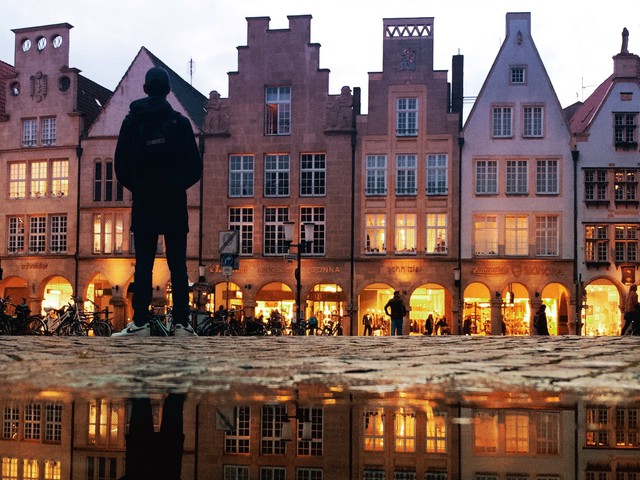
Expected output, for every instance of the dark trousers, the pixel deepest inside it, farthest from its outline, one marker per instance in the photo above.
(146, 245)
(155, 455)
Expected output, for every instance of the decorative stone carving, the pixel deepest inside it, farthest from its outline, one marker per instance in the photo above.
(217, 119)
(339, 111)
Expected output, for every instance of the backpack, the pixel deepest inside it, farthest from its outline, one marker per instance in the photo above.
(158, 147)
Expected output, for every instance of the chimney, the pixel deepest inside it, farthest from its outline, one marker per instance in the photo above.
(457, 85)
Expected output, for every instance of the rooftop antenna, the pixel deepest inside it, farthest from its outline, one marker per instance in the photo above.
(584, 87)
(191, 68)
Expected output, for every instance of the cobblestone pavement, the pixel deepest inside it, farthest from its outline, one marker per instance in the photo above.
(206, 365)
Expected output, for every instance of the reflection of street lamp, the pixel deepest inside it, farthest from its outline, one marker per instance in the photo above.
(301, 247)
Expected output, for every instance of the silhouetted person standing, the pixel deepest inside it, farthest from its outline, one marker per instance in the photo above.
(540, 321)
(396, 310)
(157, 159)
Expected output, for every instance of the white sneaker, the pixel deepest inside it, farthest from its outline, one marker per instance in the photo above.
(184, 331)
(132, 330)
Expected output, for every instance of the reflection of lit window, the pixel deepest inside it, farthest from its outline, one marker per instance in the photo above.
(10, 423)
(369, 474)
(485, 432)
(9, 468)
(597, 427)
(374, 430)
(236, 472)
(52, 470)
(237, 440)
(405, 431)
(309, 474)
(627, 427)
(517, 433)
(547, 433)
(437, 432)
(404, 475)
(273, 416)
(272, 473)
(313, 444)
(103, 423)
(30, 469)
(32, 422)
(53, 423)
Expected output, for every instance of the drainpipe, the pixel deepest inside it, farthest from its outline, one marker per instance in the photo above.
(354, 141)
(76, 254)
(575, 155)
(201, 212)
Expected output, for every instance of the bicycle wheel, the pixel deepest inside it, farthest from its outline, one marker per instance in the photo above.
(5, 326)
(34, 325)
(100, 328)
(78, 328)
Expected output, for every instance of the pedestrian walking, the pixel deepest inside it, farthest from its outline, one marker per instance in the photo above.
(540, 321)
(396, 310)
(631, 313)
(157, 159)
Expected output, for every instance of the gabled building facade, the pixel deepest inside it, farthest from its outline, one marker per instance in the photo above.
(605, 145)
(517, 189)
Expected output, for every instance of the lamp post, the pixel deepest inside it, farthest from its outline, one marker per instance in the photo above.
(301, 248)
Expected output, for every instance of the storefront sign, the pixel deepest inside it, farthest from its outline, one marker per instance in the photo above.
(34, 266)
(516, 270)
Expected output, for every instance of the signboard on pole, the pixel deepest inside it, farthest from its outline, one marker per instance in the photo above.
(229, 242)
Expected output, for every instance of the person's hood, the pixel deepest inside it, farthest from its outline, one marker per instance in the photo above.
(150, 106)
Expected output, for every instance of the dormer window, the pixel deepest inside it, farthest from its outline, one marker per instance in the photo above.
(518, 75)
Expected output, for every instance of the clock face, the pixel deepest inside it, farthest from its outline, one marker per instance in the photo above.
(57, 41)
(26, 45)
(42, 42)
(64, 83)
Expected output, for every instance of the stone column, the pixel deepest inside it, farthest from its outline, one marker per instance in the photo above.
(496, 316)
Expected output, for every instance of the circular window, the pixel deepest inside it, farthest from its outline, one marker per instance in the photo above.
(14, 88)
(42, 42)
(64, 83)
(56, 41)
(26, 45)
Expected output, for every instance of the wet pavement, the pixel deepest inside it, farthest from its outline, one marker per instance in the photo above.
(457, 366)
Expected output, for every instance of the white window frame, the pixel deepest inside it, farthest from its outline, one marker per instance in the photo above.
(596, 248)
(486, 235)
(404, 421)
(38, 234)
(30, 132)
(38, 179)
(60, 178)
(16, 238)
(406, 175)
(375, 175)
(547, 235)
(533, 121)
(437, 174)
(315, 445)
(486, 177)
(436, 234)
(518, 75)
(516, 228)
(516, 426)
(236, 472)
(271, 421)
(58, 226)
(407, 117)
(273, 236)
(241, 175)
(317, 216)
(276, 175)
(625, 126)
(625, 185)
(502, 122)
(517, 178)
(17, 180)
(374, 428)
(547, 177)
(405, 238)
(625, 243)
(48, 125)
(375, 236)
(277, 110)
(237, 441)
(108, 233)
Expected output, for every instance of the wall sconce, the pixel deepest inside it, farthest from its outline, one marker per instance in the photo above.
(117, 288)
(456, 277)
(537, 294)
(300, 416)
(248, 286)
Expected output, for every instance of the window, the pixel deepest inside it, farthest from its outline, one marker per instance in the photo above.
(627, 427)
(597, 427)
(501, 122)
(517, 433)
(273, 473)
(516, 235)
(315, 215)
(30, 469)
(405, 233)
(103, 423)
(104, 182)
(405, 430)
(52, 470)
(597, 475)
(32, 422)
(277, 111)
(10, 423)
(407, 117)
(372, 474)
(486, 235)
(49, 131)
(60, 177)
(9, 468)
(517, 178)
(29, 132)
(435, 476)
(547, 236)
(546, 177)
(37, 234)
(58, 234)
(404, 475)
(313, 174)
(486, 476)
(626, 243)
(108, 233)
(16, 235)
(313, 445)
(437, 432)
(102, 468)
(518, 75)
(485, 432)
(486, 177)
(375, 233)
(274, 218)
(38, 183)
(374, 430)
(436, 233)
(547, 433)
(309, 474)
(533, 120)
(625, 186)
(595, 185)
(406, 166)
(625, 125)
(273, 416)
(241, 219)
(53, 423)
(241, 176)
(18, 180)
(236, 472)
(437, 167)
(237, 440)
(376, 175)
(596, 243)
(276, 175)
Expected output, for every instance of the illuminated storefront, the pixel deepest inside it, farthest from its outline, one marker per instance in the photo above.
(601, 315)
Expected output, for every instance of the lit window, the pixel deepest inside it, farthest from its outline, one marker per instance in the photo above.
(407, 117)
(375, 233)
(52, 470)
(276, 175)
(38, 183)
(626, 186)
(241, 219)
(502, 122)
(405, 233)
(60, 177)
(626, 243)
(103, 422)
(486, 235)
(108, 233)
(277, 110)
(627, 427)
(313, 174)
(597, 419)
(596, 247)
(437, 432)
(406, 167)
(437, 171)
(376, 175)
(517, 178)
(516, 235)
(485, 432)
(405, 431)
(517, 433)
(374, 430)
(9, 468)
(436, 233)
(533, 122)
(17, 180)
(486, 177)
(30, 469)
(241, 171)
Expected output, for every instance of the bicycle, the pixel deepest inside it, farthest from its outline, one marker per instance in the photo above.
(160, 324)
(64, 321)
(99, 322)
(21, 323)
(333, 327)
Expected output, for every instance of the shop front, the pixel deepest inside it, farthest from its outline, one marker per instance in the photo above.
(601, 313)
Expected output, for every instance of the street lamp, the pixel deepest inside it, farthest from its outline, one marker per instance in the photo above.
(301, 247)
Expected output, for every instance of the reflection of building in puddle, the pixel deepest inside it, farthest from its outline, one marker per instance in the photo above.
(312, 433)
